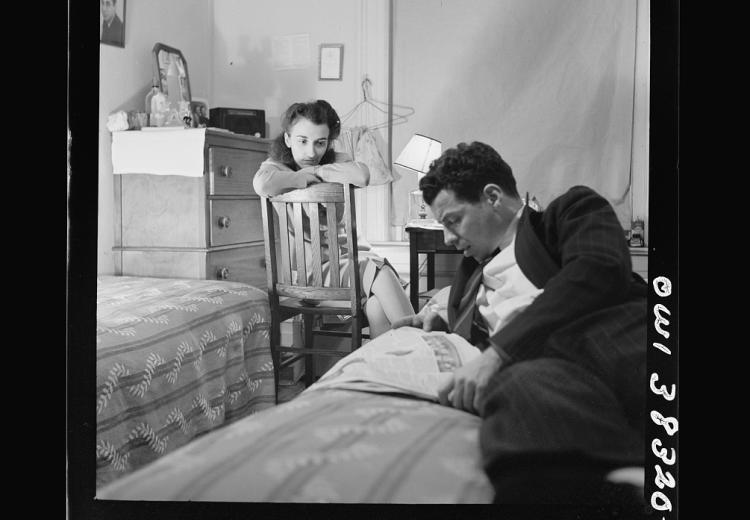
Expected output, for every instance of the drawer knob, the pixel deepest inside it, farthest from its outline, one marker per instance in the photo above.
(226, 171)
(224, 222)
(222, 273)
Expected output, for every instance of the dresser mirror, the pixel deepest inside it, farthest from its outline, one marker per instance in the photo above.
(171, 74)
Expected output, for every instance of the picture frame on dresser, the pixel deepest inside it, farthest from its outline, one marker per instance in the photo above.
(199, 111)
(170, 72)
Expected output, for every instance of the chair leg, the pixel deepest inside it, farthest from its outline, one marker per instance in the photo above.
(356, 333)
(276, 355)
(309, 365)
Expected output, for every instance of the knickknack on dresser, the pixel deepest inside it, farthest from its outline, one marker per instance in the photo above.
(185, 205)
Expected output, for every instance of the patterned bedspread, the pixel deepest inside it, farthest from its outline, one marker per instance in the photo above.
(325, 446)
(175, 359)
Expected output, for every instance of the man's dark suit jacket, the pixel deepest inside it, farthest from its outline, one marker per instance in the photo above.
(576, 251)
(113, 33)
(592, 310)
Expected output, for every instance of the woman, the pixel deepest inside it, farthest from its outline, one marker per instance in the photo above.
(302, 155)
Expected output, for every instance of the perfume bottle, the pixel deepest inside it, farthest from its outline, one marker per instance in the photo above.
(159, 109)
(149, 97)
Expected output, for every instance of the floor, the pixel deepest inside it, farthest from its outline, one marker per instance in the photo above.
(289, 392)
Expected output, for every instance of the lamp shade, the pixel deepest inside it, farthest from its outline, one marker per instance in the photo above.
(418, 153)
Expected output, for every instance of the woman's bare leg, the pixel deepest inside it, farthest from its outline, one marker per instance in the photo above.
(389, 302)
(376, 317)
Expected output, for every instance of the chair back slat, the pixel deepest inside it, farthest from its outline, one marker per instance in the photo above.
(299, 243)
(285, 269)
(333, 241)
(315, 246)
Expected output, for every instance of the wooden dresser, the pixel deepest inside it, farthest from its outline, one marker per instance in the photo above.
(206, 227)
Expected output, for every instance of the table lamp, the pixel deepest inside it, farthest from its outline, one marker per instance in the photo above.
(416, 156)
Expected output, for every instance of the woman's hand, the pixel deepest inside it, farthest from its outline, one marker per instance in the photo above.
(309, 175)
(469, 383)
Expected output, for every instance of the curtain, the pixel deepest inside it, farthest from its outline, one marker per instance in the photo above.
(548, 83)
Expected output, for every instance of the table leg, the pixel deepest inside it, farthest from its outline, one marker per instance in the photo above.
(413, 274)
(430, 271)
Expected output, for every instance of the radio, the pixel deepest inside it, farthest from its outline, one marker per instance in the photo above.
(239, 120)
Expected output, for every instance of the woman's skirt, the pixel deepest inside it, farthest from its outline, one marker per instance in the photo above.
(370, 264)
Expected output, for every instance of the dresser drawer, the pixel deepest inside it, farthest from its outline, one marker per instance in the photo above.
(241, 264)
(231, 171)
(234, 221)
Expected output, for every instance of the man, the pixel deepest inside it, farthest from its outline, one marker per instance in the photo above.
(550, 299)
(112, 25)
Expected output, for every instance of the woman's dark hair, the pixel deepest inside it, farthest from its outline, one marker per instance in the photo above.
(319, 112)
(466, 170)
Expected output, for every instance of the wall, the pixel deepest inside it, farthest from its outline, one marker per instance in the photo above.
(227, 44)
(550, 85)
(247, 73)
(125, 79)
(244, 74)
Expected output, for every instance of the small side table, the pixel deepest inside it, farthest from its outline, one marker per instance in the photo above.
(424, 238)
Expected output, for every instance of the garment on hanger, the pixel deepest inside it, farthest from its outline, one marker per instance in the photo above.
(385, 114)
(360, 143)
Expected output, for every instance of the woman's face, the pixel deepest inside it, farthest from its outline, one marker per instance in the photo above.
(308, 142)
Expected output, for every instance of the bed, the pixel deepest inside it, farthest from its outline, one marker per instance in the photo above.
(176, 358)
(329, 446)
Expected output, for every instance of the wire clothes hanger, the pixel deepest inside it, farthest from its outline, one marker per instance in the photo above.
(369, 102)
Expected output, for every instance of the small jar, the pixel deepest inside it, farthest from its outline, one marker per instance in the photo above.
(636, 234)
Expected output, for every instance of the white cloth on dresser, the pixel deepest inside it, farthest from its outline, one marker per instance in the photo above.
(159, 151)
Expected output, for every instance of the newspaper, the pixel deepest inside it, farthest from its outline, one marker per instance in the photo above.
(404, 360)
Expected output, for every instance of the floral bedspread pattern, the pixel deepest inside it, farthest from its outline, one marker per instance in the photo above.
(325, 446)
(175, 359)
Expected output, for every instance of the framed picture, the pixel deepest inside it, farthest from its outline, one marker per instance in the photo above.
(171, 73)
(200, 113)
(112, 22)
(331, 61)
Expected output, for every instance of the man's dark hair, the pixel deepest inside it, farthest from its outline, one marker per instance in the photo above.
(467, 169)
(319, 112)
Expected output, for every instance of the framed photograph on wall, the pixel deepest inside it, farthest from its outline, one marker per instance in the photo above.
(331, 61)
(112, 22)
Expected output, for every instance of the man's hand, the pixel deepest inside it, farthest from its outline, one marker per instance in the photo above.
(469, 383)
(428, 322)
